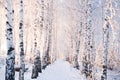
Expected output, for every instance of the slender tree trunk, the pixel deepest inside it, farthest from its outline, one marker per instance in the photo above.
(10, 60)
(37, 60)
(106, 30)
(22, 63)
(26, 43)
(46, 56)
(34, 69)
(77, 52)
(89, 47)
(105, 41)
(50, 11)
(42, 17)
(77, 44)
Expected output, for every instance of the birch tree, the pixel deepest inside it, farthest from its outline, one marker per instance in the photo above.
(22, 64)
(50, 11)
(42, 17)
(10, 60)
(77, 46)
(78, 31)
(106, 29)
(46, 55)
(37, 60)
(88, 56)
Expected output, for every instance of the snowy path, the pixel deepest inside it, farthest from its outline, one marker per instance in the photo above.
(60, 70)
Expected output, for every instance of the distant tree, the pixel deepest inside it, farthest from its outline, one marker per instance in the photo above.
(37, 61)
(77, 47)
(106, 36)
(10, 60)
(46, 56)
(37, 65)
(47, 53)
(46, 59)
(42, 16)
(22, 63)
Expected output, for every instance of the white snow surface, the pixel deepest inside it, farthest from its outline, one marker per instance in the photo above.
(59, 70)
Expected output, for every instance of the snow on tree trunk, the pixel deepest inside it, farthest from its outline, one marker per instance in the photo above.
(22, 64)
(10, 60)
(89, 46)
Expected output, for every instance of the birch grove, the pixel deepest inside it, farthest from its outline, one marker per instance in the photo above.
(59, 39)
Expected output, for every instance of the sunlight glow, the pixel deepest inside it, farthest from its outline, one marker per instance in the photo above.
(61, 1)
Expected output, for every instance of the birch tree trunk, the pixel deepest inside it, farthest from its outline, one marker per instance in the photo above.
(77, 46)
(42, 17)
(34, 69)
(106, 30)
(105, 41)
(37, 60)
(22, 63)
(46, 56)
(50, 29)
(10, 60)
(89, 47)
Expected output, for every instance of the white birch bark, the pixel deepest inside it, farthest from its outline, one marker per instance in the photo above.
(37, 61)
(42, 17)
(106, 30)
(50, 29)
(46, 56)
(105, 41)
(89, 46)
(21, 44)
(46, 32)
(10, 60)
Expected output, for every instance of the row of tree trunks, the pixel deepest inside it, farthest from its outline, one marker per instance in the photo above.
(10, 61)
(85, 27)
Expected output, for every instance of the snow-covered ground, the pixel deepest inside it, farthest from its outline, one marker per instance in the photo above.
(60, 70)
